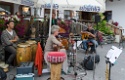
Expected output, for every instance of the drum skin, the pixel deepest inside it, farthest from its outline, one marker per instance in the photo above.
(33, 49)
(23, 53)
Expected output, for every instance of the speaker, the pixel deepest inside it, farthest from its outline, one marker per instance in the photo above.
(97, 18)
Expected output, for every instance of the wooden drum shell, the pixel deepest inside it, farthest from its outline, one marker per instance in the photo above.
(56, 71)
(33, 49)
(65, 43)
(23, 54)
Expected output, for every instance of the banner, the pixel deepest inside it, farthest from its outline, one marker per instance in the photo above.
(27, 2)
(90, 8)
(48, 6)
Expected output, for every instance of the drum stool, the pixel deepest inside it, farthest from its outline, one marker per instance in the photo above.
(56, 59)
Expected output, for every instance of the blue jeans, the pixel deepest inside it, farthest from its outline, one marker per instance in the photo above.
(95, 44)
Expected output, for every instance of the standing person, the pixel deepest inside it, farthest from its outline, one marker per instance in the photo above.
(9, 40)
(51, 42)
(91, 33)
(53, 22)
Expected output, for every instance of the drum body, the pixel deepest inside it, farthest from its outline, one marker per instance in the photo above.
(65, 43)
(23, 53)
(56, 59)
(33, 48)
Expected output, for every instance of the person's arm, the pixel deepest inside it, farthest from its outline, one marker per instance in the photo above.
(5, 39)
(84, 32)
(16, 38)
(92, 34)
(55, 41)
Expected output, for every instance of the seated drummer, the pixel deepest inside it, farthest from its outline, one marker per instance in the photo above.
(9, 39)
(53, 41)
(91, 33)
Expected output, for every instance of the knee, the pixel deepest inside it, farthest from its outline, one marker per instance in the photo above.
(84, 41)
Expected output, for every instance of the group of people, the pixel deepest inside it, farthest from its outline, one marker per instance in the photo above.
(10, 39)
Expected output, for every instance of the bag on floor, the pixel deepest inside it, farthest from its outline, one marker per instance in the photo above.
(3, 75)
(88, 62)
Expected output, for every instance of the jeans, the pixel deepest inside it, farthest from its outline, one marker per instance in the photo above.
(11, 51)
(95, 44)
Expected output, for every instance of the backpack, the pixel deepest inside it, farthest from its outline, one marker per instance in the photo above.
(3, 75)
(88, 62)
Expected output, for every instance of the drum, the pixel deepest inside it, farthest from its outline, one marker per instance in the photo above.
(56, 59)
(23, 53)
(65, 43)
(33, 48)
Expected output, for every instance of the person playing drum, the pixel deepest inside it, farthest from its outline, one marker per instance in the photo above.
(51, 43)
(9, 40)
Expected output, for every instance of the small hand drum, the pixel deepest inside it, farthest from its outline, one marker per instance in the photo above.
(56, 59)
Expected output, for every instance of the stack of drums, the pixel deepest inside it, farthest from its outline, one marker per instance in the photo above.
(33, 45)
(23, 53)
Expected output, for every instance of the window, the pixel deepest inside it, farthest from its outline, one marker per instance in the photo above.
(7, 6)
(67, 14)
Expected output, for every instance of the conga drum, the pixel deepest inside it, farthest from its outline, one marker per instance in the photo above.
(33, 48)
(56, 59)
(23, 53)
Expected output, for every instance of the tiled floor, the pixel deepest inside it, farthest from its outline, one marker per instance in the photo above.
(118, 71)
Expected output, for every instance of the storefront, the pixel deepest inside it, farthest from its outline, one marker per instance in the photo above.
(13, 6)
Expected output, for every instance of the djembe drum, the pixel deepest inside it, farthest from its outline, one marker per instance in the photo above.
(33, 48)
(23, 53)
(56, 59)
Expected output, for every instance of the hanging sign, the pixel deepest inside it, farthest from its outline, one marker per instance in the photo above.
(27, 2)
(48, 6)
(90, 8)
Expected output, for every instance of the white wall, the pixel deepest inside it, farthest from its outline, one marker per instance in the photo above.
(118, 11)
(16, 8)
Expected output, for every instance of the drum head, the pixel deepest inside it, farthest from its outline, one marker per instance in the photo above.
(31, 42)
(23, 45)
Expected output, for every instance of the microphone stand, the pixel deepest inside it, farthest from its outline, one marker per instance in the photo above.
(74, 63)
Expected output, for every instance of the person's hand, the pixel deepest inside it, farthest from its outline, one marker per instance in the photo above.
(11, 41)
(16, 37)
(54, 45)
(61, 45)
(89, 33)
